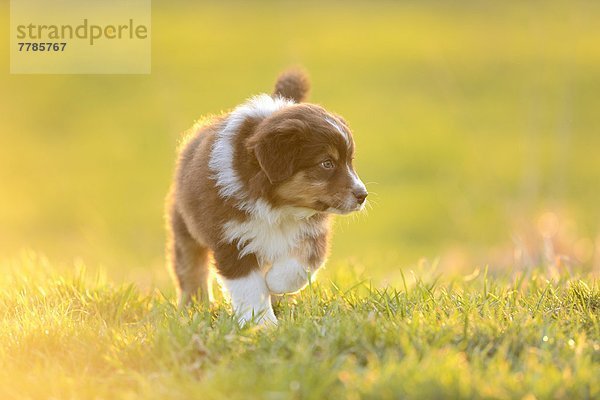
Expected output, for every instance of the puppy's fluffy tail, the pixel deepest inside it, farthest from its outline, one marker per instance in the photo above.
(292, 84)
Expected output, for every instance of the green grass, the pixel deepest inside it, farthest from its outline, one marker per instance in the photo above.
(69, 336)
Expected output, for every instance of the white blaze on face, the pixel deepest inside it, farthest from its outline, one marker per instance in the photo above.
(356, 182)
(350, 202)
(339, 129)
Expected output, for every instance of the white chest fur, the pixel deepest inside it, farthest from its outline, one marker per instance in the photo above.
(270, 240)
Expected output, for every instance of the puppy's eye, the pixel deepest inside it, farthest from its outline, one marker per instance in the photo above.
(327, 164)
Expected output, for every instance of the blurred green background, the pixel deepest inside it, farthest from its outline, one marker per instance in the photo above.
(477, 130)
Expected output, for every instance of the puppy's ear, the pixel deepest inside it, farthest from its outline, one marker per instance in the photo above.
(277, 148)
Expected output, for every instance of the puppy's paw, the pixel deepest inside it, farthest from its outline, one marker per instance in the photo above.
(264, 318)
(287, 276)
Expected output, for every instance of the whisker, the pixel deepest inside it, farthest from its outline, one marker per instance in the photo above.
(372, 202)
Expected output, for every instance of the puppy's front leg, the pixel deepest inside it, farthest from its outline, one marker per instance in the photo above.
(250, 299)
(287, 275)
(250, 296)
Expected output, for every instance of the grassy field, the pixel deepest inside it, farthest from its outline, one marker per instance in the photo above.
(476, 126)
(72, 337)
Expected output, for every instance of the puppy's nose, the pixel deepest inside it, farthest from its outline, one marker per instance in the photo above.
(360, 194)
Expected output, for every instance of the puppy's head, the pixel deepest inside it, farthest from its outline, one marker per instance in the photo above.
(306, 153)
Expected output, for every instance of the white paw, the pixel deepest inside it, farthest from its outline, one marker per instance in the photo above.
(259, 317)
(286, 276)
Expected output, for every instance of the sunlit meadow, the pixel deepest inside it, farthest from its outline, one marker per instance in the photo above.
(472, 274)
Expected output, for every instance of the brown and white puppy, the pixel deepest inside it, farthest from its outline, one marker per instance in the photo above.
(255, 188)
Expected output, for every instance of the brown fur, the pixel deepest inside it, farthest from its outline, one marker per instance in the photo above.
(292, 84)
